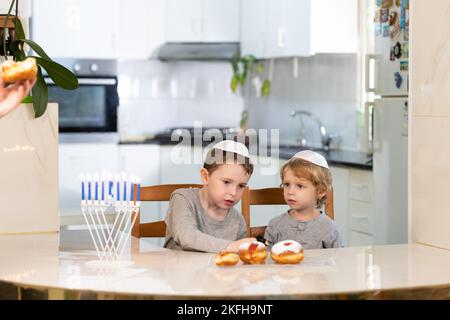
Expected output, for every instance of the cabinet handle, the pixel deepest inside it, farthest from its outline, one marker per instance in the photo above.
(281, 37)
(368, 124)
(370, 57)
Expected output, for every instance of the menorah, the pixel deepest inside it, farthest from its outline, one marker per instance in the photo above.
(110, 239)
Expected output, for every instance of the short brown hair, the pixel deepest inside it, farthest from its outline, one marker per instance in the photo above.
(215, 158)
(319, 176)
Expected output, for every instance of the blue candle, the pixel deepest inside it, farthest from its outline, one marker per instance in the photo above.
(82, 187)
(118, 187)
(96, 186)
(89, 178)
(131, 189)
(138, 189)
(124, 177)
(103, 189)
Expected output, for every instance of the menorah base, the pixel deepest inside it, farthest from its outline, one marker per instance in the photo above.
(109, 264)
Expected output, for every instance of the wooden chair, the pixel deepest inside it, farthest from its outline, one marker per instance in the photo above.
(156, 229)
(271, 196)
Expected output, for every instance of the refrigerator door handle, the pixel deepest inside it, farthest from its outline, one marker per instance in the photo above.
(369, 58)
(368, 125)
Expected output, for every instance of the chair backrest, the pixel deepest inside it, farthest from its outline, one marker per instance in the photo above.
(162, 192)
(271, 196)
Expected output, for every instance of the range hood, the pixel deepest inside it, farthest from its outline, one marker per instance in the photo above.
(198, 51)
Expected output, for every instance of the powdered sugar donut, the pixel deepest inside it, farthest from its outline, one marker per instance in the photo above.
(287, 252)
(253, 252)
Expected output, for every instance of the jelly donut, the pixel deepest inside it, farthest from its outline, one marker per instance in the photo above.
(12, 71)
(253, 253)
(287, 252)
(226, 258)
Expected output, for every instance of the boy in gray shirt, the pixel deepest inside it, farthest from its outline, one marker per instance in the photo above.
(204, 219)
(306, 179)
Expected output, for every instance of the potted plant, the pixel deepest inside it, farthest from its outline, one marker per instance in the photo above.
(247, 68)
(17, 46)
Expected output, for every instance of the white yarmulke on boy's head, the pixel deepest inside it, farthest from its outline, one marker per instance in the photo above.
(232, 146)
(312, 157)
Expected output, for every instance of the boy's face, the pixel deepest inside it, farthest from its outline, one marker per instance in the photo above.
(300, 193)
(226, 184)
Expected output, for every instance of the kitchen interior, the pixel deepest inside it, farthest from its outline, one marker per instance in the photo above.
(340, 84)
(171, 67)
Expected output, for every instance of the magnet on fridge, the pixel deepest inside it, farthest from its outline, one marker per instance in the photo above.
(392, 54)
(378, 29)
(398, 3)
(406, 33)
(387, 3)
(386, 31)
(404, 66)
(395, 31)
(405, 4)
(403, 19)
(378, 3)
(398, 50)
(393, 18)
(405, 50)
(384, 14)
(398, 80)
(377, 17)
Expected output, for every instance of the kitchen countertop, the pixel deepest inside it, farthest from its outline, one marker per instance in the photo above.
(56, 266)
(353, 159)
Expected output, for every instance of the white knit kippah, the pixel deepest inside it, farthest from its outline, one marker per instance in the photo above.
(232, 146)
(312, 157)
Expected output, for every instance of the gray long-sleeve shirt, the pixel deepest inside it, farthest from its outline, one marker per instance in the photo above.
(318, 233)
(189, 227)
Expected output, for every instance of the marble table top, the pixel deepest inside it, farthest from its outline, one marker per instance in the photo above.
(64, 262)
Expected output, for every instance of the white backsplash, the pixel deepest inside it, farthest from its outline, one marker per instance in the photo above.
(157, 95)
(326, 86)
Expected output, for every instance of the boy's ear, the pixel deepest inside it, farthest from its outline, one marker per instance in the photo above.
(321, 192)
(204, 174)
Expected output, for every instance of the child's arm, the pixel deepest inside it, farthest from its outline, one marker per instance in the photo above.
(335, 240)
(271, 234)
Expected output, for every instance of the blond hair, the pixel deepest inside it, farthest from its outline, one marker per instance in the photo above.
(319, 176)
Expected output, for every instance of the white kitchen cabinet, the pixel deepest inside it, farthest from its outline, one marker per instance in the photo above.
(142, 27)
(341, 180)
(76, 28)
(202, 21)
(76, 158)
(289, 28)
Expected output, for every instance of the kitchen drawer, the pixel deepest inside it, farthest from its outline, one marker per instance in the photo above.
(361, 185)
(361, 216)
(359, 239)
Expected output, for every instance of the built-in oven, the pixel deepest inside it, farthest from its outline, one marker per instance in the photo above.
(92, 108)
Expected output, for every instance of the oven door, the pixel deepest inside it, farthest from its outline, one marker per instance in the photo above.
(90, 108)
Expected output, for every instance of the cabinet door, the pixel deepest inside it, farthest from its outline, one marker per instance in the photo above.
(221, 20)
(81, 158)
(289, 26)
(254, 28)
(334, 26)
(184, 21)
(141, 28)
(76, 28)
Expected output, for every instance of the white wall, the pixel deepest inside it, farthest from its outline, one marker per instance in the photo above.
(430, 122)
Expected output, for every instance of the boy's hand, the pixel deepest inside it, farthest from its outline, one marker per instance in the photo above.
(234, 246)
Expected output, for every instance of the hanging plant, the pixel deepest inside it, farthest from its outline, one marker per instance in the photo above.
(16, 46)
(246, 68)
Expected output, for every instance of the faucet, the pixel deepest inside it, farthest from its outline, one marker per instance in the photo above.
(325, 137)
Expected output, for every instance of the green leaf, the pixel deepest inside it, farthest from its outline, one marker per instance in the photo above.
(27, 99)
(37, 48)
(20, 34)
(62, 77)
(235, 64)
(265, 88)
(17, 52)
(235, 83)
(260, 68)
(40, 95)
